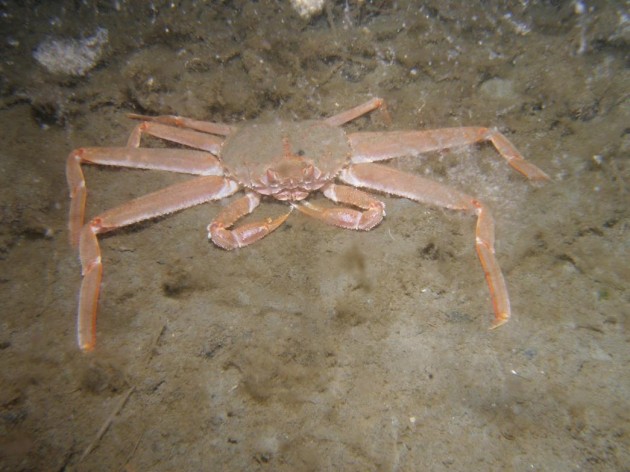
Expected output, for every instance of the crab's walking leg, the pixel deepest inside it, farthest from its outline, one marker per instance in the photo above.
(388, 180)
(245, 234)
(360, 110)
(185, 161)
(187, 137)
(170, 199)
(372, 147)
(183, 122)
(348, 218)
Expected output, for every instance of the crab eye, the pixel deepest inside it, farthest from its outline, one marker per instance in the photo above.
(308, 171)
(300, 152)
(272, 176)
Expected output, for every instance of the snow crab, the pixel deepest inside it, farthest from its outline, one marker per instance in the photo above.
(286, 161)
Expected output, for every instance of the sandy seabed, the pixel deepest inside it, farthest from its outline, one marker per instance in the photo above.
(321, 349)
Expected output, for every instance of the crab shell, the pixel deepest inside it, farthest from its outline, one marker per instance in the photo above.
(285, 160)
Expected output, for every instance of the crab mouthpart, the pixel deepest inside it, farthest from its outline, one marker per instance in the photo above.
(291, 178)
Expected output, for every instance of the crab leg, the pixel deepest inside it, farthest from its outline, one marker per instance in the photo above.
(388, 180)
(245, 234)
(373, 213)
(185, 161)
(170, 199)
(360, 110)
(182, 122)
(187, 137)
(372, 147)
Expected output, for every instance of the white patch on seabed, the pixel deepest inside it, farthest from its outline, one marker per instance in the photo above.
(308, 8)
(71, 56)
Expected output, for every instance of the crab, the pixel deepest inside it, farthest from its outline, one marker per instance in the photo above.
(285, 161)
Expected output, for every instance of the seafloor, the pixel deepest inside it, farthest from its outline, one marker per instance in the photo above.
(321, 349)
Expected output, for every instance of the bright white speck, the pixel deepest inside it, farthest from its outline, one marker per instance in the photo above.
(579, 8)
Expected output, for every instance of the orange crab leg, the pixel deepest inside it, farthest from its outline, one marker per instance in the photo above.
(185, 161)
(183, 122)
(243, 235)
(388, 180)
(373, 213)
(372, 147)
(360, 110)
(187, 137)
(168, 200)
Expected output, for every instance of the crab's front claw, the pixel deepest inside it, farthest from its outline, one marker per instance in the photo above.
(243, 235)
